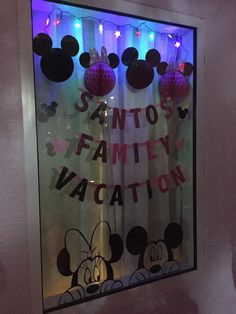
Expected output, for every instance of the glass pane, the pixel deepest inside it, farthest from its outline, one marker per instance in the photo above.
(115, 98)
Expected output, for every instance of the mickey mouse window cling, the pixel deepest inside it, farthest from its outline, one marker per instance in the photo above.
(115, 113)
(154, 256)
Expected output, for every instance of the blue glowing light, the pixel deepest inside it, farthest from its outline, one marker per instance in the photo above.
(77, 24)
(151, 36)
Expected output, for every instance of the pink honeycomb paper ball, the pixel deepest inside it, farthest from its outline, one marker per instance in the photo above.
(173, 84)
(100, 79)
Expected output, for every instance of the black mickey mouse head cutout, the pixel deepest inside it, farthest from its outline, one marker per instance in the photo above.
(173, 83)
(56, 63)
(140, 72)
(51, 109)
(99, 77)
(46, 111)
(182, 112)
(154, 256)
(50, 149)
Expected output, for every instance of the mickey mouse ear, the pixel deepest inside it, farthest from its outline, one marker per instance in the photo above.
(84, 59)
(173, 235)
(162, 67)
(114, 60)
(63, 263)
(70, 45)
(116, 244)
(42, 43)
(129, 56)
(153, 57)
(188, 68)
(136, 240)
(54, 104)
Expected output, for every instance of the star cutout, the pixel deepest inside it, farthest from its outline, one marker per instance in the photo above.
(117, 34)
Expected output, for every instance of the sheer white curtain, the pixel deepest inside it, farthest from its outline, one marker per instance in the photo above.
(59, 212)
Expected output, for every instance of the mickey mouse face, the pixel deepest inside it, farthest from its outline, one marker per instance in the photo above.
(140, 73)
(99, 77)
(56, 63)
(155, 256)
(173, 84)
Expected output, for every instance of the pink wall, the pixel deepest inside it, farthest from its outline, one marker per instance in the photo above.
(213, 292)
(13, 237)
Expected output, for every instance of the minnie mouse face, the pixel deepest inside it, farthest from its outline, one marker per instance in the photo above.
(99, 77)
(56, 63)
(89, 262)
(155, 257)
(92, 272)
(140, 73)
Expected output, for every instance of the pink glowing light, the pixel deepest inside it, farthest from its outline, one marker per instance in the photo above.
(138, 33)
(56, 22)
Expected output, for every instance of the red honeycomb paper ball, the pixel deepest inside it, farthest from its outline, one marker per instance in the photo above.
(173, 84)
(100, 79)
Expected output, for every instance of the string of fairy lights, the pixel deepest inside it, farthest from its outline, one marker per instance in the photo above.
(55, 18)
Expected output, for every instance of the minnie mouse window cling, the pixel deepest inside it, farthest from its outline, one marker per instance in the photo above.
(88, 262)
(115, 119)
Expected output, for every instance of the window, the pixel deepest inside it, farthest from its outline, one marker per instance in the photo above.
(115, 98)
